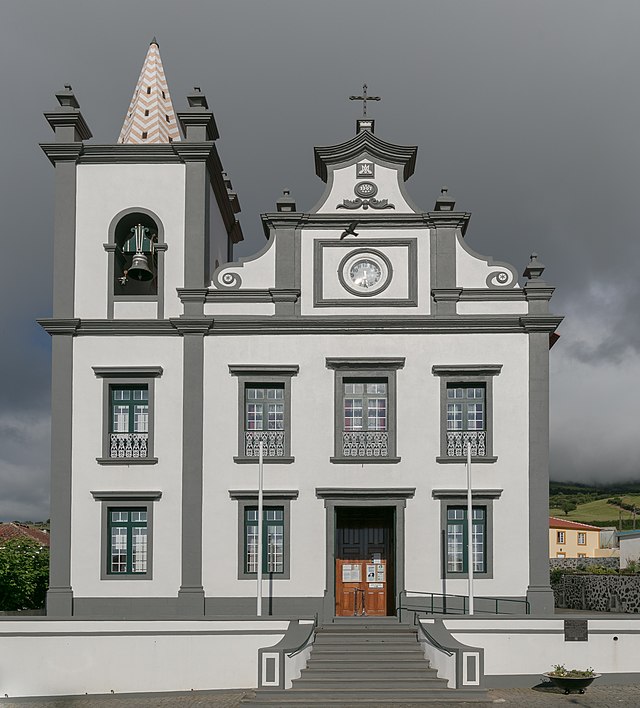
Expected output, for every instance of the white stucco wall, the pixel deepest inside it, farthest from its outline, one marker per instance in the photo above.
(102, 192)
(344, 180)
(89, 475)
(418, 444)
(77, 657)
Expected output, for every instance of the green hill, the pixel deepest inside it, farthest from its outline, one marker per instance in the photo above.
(599, 511)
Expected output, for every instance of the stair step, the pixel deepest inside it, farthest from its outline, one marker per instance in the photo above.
(369, 665)
(369, 638)
(345, 697)
(343, 683)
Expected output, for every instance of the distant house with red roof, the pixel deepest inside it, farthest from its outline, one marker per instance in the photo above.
(572, 539)
(14, 529)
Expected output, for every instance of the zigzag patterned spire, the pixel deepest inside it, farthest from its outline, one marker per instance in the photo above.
(150, 118)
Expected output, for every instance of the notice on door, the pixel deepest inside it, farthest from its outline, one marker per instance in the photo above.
(379, 573)
(351, 573)
(371, 573)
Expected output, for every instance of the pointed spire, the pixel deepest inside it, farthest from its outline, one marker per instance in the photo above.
(150, 118)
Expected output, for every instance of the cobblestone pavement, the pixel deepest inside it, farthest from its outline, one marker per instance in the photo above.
(540, 696)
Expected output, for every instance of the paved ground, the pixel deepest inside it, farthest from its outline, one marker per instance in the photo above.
(538, 697)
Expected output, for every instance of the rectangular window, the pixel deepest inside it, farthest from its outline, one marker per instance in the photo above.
(457, 546)
(264, 411)
(582, 555)
(560, 537)
(582, 538)
(127, 541)
(466, 411)
(144, 134)
(128, 421)
(273, 542)
(365, 410)
(128, 401)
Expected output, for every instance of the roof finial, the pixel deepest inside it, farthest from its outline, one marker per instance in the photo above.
(155, 41)
(364, 98)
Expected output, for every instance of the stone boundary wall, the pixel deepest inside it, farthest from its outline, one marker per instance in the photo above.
(613, 563)
(598, 593)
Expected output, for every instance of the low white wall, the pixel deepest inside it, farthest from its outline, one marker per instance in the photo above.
(529, 646)
(49, 658)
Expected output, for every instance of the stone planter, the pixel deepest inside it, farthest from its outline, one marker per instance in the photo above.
(569, 684)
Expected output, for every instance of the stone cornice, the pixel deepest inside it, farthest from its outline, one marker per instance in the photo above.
(69, 117)
(193, 152)
(537, 292)
(62, 152)
(192, 325)
(389, 222)
(226, 325)
(364, 493)
(52, 325)
(252, 494)
(270, 295)
(371, 362)
(401, 155)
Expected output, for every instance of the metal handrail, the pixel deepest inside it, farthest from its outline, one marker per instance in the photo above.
(299, 648)
(464, 598)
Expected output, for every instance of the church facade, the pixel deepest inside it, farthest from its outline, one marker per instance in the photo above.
(366, 347)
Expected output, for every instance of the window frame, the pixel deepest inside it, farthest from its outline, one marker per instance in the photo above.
(466, 375)
(250, 376)
(465, 548)
(365, 370)
(248, 500)
(112, 500)
(127, 376)
(561, 537)
(584, 536)
(452, 498)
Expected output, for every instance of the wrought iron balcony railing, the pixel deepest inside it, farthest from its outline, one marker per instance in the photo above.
(128, 445)
(457, 441)
(272, 443)
(369, 443)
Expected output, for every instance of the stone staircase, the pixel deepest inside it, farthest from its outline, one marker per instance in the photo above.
(366, 662)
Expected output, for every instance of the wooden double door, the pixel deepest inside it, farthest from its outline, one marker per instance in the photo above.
(364, 561)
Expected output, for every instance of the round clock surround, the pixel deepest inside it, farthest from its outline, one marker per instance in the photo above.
(365, 272)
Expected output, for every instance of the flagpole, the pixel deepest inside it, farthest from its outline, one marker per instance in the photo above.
(259, 561)
(469, 528)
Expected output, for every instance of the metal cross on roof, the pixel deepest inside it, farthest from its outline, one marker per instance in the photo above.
(364, 98)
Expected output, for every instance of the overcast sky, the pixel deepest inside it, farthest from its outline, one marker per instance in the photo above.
(528, 111)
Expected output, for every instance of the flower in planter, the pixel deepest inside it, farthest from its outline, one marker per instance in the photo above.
(559, 671)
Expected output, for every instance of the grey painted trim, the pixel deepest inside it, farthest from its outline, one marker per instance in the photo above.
(191, 593)
(110, 248)
(362, 498)
(60, 593)
(355, 368)
(443, 269)
(295, 638)
(124, 495)
(195, 230)
(466, 373)
(365, 493)
(240, 460)
(457, 500)
(127, 372)
(364, 460)
(311, 325)
(117, 375)
(287, 268)
(252, 494)
(497, 295)
(64, 240)
(284, 607)
(285, 503)
(124, 500)
(359, 363)
(353, 248)
(260, 369)
(457, 494)
(362, 252)
(267, 374)
(127, 461)
(217, 278)
(151, 633)
(486, 460)
(369, 143)
(539, 592)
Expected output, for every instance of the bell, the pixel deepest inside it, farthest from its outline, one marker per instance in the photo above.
(140, 268)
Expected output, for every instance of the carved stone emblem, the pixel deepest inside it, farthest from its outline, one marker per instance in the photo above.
(365, 197)
(365, 169)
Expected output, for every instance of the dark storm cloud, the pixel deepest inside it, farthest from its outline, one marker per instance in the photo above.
(528, 111)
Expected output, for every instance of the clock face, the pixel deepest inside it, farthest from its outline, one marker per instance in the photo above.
(365, 273)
